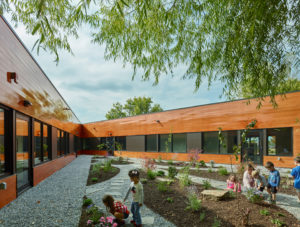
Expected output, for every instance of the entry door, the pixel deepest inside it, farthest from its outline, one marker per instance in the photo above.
(252, 148)
(23, 164)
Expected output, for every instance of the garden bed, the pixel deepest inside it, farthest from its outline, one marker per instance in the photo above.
(172, 204)
(101, 173)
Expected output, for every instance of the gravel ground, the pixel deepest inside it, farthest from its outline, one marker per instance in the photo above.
(119, 185)
(56, 201)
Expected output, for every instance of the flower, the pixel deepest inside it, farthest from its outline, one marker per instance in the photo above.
(89, 222)
(102, 219)
(115, 225)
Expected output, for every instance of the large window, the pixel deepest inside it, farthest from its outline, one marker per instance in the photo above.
(41, 142)
(230, 140)
(120, 143)
(135, 143)
(92, 143)
(211, 142)
(165, 143)
(179, 143)
(62, 143)
(151, 143)
(279, 141)
(2, 145)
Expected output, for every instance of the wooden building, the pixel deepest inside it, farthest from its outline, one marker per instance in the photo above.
(39, 133)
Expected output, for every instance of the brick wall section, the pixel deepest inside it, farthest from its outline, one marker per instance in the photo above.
(8, 195)
(92, 152)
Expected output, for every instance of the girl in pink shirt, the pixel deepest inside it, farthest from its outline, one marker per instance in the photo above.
(233, 184)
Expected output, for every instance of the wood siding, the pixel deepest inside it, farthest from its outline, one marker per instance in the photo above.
(8, 195)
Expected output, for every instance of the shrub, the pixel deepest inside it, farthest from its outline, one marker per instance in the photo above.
(121, 159)
(172, 172)
(170, 162)
(223, 171)
(160, 173)
(217, 223)
(143, 181)
(202, 163)
(159, 159)
(148, 163)
(212, 163)
(96, 169)
(87, 202)
(206, 184)
(94, 179)
(254, 197)
(210, 170)
(107, 166)
(184, 180)
(151, 175)
(170, 200)
(162, 186)
(264, 212)
(194, 155)
(194, 203)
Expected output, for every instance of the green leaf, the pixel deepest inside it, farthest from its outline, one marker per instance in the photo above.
(35, 28)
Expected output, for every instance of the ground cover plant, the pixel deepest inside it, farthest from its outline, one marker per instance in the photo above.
(172, 205)
(121, 161)
(101, 172)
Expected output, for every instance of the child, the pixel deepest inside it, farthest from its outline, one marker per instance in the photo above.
(273, 182)
(137, 196)
(248, 180)
(232, 183)
(296, 175)
(259, 181)
(116, 208)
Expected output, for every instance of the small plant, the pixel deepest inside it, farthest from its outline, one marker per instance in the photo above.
(151, 174)
(159, 159)
(254, 197)
(264, 212)
(223, 171)
(231, 194)
(202, 163)
(107, 222)
(87, 202)
(172, 172)
(202, 216)
(120, 159)
(169, 182)
(280, 215)
(170, 200)
(94, 179)
(194, 203)
(277, 222)
(194, 155)
(217, 223)
(210, 170)
(170, 162)
(212, 163)
(148, 163)
(162, 186)
(160, 173)
(143, 180)
(107, 166)
(184, 180)
(96, 169)
(206, 184)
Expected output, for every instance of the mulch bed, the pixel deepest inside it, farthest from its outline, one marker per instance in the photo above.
(179, 164)
(101, 175)
(227, 212)
(283, 188)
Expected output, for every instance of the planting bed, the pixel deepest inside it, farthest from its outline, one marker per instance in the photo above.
(101, 175)
(227, 213)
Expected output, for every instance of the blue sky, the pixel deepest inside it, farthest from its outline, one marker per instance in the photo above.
(91, 85)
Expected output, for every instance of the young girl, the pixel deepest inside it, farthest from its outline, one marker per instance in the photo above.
(248, 180)
(137, 197)
(116, 208)
(232, 183)
(260, 181)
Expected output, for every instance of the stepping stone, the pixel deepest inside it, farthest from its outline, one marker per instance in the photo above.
(148, 220)
(116, 184)
(215, 194)
(115, 194)
(92, 190)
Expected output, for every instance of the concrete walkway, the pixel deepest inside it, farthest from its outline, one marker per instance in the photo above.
(285, 201)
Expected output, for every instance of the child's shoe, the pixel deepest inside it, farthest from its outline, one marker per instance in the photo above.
(133, 222)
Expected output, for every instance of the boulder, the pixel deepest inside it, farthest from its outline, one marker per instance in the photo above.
(215, 194)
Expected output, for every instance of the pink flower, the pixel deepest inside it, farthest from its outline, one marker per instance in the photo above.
(89, 222)
(115, 225)
(102, 219)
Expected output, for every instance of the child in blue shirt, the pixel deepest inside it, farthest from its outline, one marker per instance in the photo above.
(273, 181)
(296, 175)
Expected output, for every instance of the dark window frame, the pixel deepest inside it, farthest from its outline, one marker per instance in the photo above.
(41, 142)
(292, 143)
(186, 146)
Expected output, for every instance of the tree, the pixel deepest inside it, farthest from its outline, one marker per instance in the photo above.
(292, 84)
(135, 106)
(238, 42)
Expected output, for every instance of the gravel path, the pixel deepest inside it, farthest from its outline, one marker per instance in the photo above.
(56, 201)
(117, 187)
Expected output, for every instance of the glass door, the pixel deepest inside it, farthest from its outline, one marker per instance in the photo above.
(23, 163)
(252, 148)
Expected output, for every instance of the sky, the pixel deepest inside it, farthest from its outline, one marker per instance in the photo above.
(90, 84)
